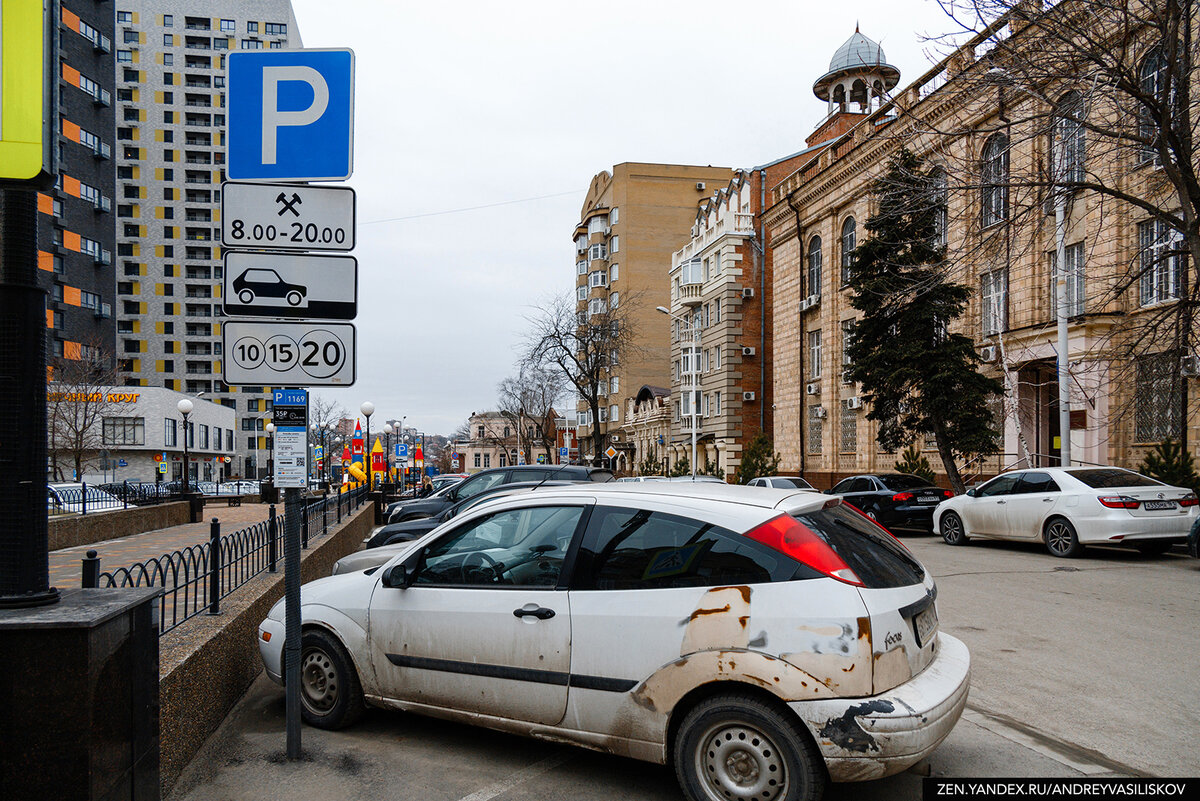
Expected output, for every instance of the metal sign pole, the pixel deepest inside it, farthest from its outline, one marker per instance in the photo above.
(292, 509)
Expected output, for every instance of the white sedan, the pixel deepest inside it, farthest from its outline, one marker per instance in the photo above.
(762, 641)
(1067, 508)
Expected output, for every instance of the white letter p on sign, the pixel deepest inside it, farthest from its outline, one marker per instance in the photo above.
(273, 118)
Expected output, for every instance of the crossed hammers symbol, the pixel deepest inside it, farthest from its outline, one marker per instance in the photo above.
(289, 205)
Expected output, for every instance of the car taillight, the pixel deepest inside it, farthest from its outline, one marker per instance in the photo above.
(1119, 502)
(1189, 500)
(948, 493)
(902, 496)
(790, 537)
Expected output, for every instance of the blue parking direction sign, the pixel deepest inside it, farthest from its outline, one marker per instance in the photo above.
(401, 450)
(289, 397)
(291, 115)
(563, 453)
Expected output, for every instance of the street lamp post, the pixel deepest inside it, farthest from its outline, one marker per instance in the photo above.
(271, 452)
(693, 386)
(368, 409)
(387, 449)
(185, 407)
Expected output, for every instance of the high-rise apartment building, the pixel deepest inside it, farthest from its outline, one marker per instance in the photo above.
(631, 222)
(170, 164)
(76, 229)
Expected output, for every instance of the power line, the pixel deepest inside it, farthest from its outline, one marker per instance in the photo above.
(472, 208)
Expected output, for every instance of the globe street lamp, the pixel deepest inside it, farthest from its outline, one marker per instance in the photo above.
(367, 409)
(185, 407)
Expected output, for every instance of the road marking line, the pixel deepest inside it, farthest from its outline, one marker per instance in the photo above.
(520, 777)
(1084, 760)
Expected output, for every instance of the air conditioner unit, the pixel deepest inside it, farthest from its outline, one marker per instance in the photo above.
(812, 388)
(699, 186)
(854, 403)
(1190, 366)
(819, 412)
(988, 353)
(805, 305)
(846, 377)
(747, 351)
(748, 292)
(747, 396)
(813, 300)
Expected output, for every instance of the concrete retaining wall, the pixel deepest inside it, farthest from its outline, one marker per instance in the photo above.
(207, 663)
(67, 532)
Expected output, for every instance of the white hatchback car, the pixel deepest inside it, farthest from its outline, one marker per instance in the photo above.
(1067, 508)
(762, 641)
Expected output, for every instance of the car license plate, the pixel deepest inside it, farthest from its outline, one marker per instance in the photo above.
(925, 624)
(929, 499)
(1154, 506)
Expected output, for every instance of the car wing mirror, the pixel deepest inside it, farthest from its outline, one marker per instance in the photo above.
(401, 575)
(971, 493)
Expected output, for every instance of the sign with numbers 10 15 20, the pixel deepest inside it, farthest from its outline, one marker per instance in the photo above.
(288, 353)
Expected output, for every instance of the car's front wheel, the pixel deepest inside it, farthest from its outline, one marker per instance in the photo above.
(1061, 539)
(246, 296)
(952, 529)
(735, 747)
(294, 298)
(330, 694)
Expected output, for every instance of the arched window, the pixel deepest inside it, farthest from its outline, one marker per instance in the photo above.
(858, 92)
(1153, 77)
(848, 244)
(939, 192)
(814, 266)
(1068, 163)
(994, 180)
(839, 96)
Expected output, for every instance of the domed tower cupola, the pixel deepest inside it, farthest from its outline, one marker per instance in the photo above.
(858, 77)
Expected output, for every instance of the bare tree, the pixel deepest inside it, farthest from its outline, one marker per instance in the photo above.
(1096, 103)
(325, 412)
(529, 399)
(582, 344)
(81, 398)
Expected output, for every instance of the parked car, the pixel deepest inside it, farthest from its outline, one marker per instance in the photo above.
(640, 479)
(68, 498)
(409, 530)
(698, 479)
(266, 283)
(780, 482)
(1068, 508)
(809, 645)
(438, 502)
(897, 501)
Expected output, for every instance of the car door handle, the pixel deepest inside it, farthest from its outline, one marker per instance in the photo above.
(541, 613)
(1001, 501)
(1047, 500)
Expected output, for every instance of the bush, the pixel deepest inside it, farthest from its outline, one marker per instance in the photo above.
(914, 463)
(1171, 464)
(759, 459)
(682, 468)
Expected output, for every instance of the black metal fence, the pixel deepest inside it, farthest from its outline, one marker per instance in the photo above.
(195, 579)
(84, 498)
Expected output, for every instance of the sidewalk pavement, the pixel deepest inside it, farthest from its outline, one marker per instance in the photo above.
(66, 564)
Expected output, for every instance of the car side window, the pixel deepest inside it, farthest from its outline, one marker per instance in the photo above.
(636, 549)
(513, 548)
(1002, 485)
(1035, 482)
(470, 489)
(843, 486)
(861, 485)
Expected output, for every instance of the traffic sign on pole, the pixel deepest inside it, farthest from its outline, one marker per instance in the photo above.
(306, 286)
(290, 115)
(289, 412)
(287, 216)
(282, 353)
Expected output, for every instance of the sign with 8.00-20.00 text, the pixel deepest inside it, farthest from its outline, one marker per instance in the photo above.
(287, 353)
(287, 216)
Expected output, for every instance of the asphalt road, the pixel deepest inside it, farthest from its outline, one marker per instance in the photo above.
(1080, 668)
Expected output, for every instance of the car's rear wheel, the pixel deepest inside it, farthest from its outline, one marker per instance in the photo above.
(952, 529)
(294, 298)
(1153, 547)
(1061, 539)
(330, 694)
(246, 296)
(736, 747)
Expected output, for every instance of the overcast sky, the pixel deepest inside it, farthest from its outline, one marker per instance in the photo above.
(513, 107)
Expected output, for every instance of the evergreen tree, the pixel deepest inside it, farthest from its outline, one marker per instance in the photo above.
(916, 375)
(683, 467)
(711, 469)
(913, 462)
(759, 459)
(651, 465)
(1171, 464)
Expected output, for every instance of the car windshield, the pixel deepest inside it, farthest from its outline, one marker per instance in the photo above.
(903, 481)
(1107, 477)
(797, 483)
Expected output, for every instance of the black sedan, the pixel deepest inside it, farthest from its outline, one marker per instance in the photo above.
(393, 533)
(897, 501)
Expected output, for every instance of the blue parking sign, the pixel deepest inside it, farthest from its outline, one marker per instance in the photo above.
(291, 115)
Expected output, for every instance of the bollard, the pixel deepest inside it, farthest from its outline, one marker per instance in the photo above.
(272, 556)
(304, 526)
(125, 493)
(91, 571)
(83, 508)
(214, 568)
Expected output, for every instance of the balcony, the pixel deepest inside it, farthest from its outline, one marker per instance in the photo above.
(742, 225)
(689, 294)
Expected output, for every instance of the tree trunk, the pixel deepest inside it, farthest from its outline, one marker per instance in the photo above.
(948, 462)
